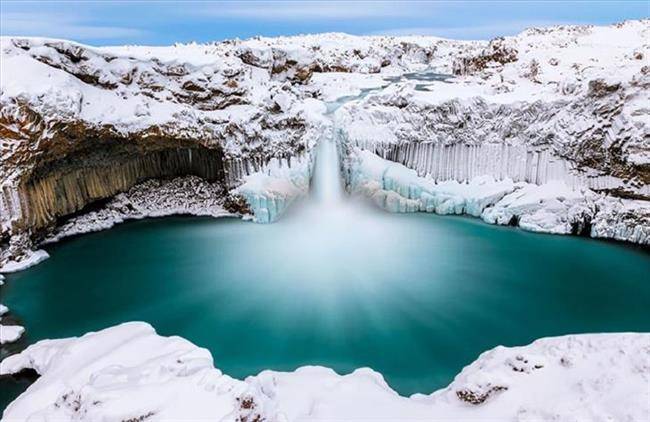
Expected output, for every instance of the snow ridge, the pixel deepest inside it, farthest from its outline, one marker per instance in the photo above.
(128, 372)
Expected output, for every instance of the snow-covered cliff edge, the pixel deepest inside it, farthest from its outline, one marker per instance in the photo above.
(128, 372)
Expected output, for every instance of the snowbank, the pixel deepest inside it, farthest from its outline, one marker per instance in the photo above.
(10, 333)
(29, 260)
(128, 372)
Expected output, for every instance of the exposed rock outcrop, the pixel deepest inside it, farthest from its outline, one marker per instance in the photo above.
(81, 124)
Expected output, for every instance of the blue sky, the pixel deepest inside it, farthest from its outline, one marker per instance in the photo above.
(166, 22)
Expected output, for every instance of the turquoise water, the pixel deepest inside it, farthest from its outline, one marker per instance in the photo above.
(416, 297)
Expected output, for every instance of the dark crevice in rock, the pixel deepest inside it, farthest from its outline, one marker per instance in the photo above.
(514, 221)
(582, 227)
(27, 375)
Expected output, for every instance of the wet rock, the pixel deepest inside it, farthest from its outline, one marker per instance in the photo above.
(480, 396)
(600, 88)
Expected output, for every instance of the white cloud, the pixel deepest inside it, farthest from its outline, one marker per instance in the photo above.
(478, 32)
(61, 26)
(311, 10)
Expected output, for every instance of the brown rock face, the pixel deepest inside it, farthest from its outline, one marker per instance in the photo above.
(600, 88)
(61, 187)
(497, 52)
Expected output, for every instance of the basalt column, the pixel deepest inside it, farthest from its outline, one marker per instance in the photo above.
(64, 186)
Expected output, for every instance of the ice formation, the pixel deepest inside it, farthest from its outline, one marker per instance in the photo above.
(129, 372)
(551, 207)
(565, 143)
(270, 191)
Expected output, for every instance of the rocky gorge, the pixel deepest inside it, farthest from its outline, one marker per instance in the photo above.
(82, 124)
(546, 131)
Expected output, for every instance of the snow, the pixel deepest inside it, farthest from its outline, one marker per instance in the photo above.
(545, 208)
(529, 127)
(32, 258)
(335, 85)
(189, 195)
(128, 371)
(622, 219)
(10, 333)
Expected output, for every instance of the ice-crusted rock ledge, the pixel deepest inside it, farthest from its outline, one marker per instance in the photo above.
(552, 207)
(269, 192)
(189, 195)
(128, 372)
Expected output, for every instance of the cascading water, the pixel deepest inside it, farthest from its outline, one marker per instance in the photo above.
(326, 185)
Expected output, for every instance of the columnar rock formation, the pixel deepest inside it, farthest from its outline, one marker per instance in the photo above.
(565, 104)
(64, 187)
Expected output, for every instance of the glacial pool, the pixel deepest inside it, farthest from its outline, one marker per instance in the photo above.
(416, 297)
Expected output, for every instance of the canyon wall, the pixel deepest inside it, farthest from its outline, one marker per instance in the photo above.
(80, 124)
(547, 130)
(64, 187)
(521, 163)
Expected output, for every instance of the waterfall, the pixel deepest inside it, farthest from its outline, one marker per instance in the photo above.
(326, 185)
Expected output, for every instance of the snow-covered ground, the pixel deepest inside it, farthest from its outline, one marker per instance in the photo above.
(128, 372)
